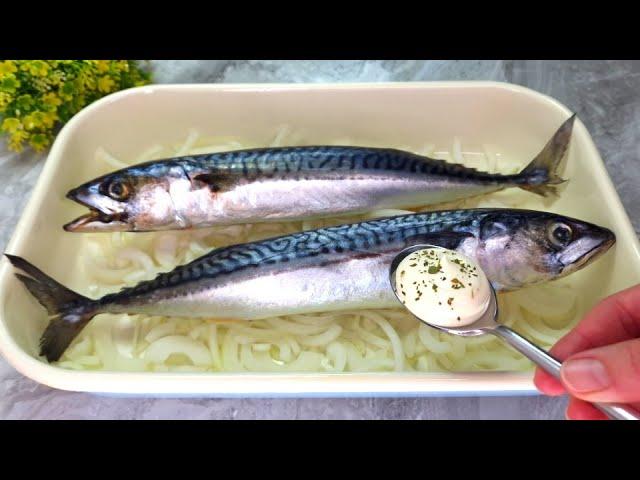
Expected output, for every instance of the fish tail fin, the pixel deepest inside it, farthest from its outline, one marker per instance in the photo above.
(69, 311)
(541, 175)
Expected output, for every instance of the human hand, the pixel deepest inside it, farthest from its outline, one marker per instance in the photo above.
(601, 358)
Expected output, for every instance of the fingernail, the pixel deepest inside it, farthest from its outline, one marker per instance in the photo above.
(585, 375)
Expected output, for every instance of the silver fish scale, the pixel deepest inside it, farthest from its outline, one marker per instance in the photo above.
(362, 237)
(269, 161)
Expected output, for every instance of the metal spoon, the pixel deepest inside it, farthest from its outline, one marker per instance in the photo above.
(488, 324)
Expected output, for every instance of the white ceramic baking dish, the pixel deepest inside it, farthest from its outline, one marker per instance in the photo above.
(516, 120)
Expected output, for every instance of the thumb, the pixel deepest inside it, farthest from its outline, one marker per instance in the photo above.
(605, 374)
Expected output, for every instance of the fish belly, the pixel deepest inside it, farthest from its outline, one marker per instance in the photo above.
(350, 284)
(261, 201)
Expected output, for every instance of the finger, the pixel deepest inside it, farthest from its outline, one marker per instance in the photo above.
(548, 384)
(605, 374)
(581, 410)
(614, 319)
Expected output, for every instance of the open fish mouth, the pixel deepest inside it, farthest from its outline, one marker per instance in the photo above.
(96, 220)
(599, 249)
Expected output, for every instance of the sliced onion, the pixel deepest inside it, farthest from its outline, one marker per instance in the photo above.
(160, 350)
(162, 330)
(427, 337)
(322, 339)
(365, 340)
(337, 353)
(230, 352)
(398, 352)
(188, 144)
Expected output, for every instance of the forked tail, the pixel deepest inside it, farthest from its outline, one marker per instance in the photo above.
(69, 311)
(541, 175)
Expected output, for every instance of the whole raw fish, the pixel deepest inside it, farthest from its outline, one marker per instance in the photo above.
(291, 183)
(335, 268)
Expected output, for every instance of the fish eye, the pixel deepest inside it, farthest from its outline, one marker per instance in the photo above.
(559, 234)
(119, 190)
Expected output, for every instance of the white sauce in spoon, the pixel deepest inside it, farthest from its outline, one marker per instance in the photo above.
(442, 287)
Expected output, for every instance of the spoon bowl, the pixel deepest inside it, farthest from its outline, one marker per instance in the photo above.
(481, 326)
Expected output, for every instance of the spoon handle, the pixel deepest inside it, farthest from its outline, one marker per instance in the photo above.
(552, 366)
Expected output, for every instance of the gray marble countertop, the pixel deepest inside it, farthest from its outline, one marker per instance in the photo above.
(606, 97)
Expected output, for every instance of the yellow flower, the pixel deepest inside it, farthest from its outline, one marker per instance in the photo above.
(8, 66)
(86, 81)
(51, 99)
(39, 142)
(24, 102)
(67, 90)
(122, 65)
(49, 119)
(5, 99)
(41, 84)
(36, 67)
(9, 83)
(36, 96)
(11, 125)
(105, 83)
(16, 139)
(103, 66)
(56, 78)
(33, 120)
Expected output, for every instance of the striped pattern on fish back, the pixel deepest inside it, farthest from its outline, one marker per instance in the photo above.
(268, 162)
(342, 239)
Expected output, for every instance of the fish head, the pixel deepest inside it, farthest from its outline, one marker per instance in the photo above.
(139, 198)
(526, 247)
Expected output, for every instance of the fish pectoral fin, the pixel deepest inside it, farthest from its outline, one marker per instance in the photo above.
(449, 240)
(216, 181)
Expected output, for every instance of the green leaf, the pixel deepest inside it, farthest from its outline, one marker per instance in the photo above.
(9, 84)
(24, 102)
